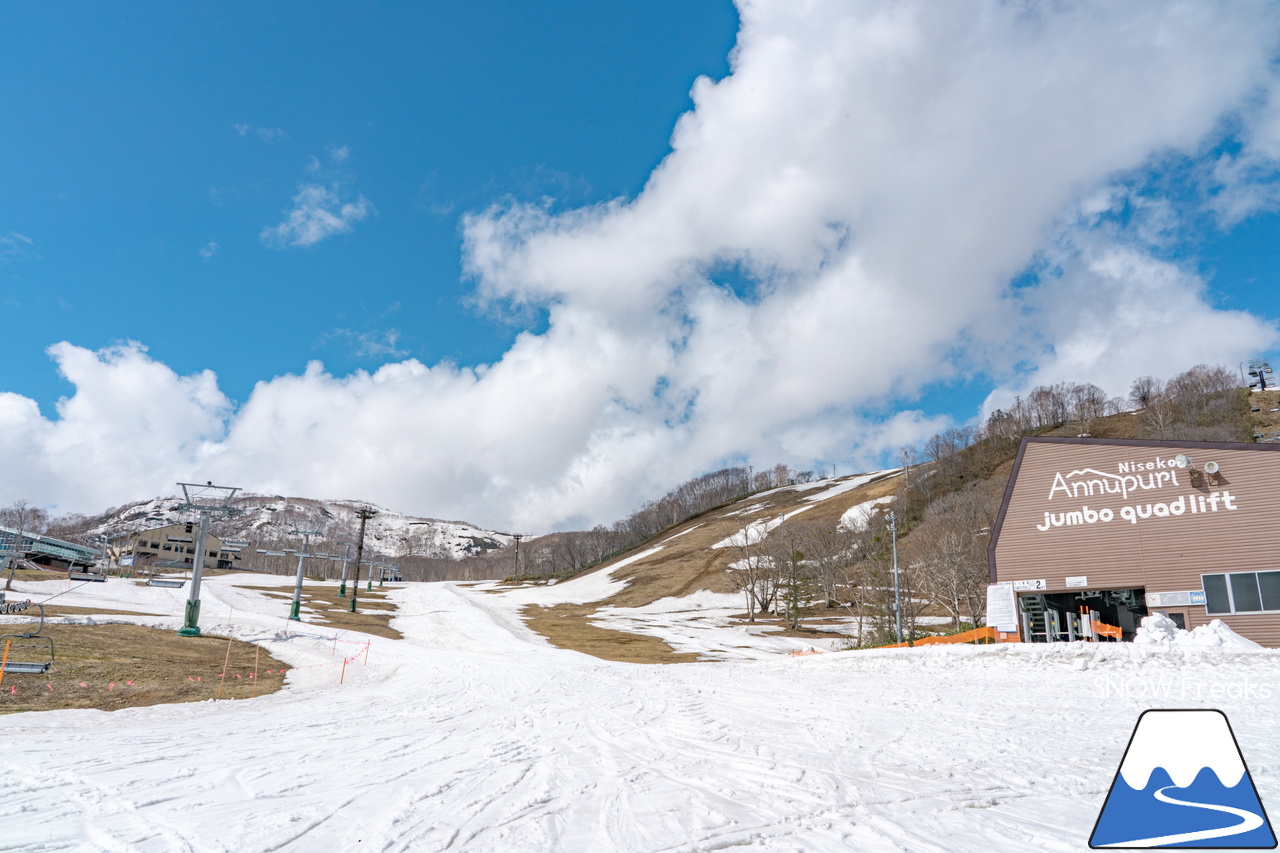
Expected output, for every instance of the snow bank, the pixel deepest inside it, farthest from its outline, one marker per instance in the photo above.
(583, 589)
(1159, 630)
(858, 516)
(755, 532)
(849, 485)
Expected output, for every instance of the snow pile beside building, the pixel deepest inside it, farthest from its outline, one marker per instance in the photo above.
(1159, 630)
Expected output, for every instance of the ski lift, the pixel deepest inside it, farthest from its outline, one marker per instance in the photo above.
(28, 666)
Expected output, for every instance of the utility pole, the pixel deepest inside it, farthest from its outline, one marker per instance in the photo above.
(517, 537)
(897, 598)
(364, 515)
(206, 500)
(295, 612)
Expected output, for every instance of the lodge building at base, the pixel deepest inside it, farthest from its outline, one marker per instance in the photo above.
(1110, 530)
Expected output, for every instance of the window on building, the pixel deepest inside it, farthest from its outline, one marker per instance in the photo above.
(155, 545)
(213, 553)
(168, 547)
(191, 550)
(1241, 592)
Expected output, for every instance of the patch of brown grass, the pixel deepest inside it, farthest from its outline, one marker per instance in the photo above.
(30, 576)
(567, 626)
(373, 615)
(54, 610)
(163, 667)
(1265, 421)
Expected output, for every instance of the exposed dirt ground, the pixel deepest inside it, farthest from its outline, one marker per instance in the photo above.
(120, 666)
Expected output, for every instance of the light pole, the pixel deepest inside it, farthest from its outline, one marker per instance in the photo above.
(206, 500)
(296, 610)
(346, 558)
(897, 598)
(364, 514)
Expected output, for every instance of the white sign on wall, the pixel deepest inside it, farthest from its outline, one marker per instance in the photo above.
(1079, 581)
(1030, 586)
(1002, 607)
(1169, 599)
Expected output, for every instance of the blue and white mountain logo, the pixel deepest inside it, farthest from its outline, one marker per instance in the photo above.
(1183, 783)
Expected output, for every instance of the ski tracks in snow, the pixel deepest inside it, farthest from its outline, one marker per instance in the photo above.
(472, 736)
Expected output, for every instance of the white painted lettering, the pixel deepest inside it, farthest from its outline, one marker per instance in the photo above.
(1059, 483)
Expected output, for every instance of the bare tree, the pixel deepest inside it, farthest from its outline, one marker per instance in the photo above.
(748, 570)
(865, 589)
(827, 551)
(785, 549)
(947, 553)
(1145, 390)
(1088, 402)
(1160, 417)
(23, 518)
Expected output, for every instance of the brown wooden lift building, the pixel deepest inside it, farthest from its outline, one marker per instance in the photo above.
(1115, 529)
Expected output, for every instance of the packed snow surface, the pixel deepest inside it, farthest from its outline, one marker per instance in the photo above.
(472, 734)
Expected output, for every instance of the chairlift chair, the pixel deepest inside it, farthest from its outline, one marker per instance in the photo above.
(28, 666)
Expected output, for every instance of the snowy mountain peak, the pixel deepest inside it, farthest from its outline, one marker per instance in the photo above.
(274, 518)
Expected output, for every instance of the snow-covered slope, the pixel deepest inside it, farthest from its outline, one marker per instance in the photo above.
(271, 518)
(473, 734)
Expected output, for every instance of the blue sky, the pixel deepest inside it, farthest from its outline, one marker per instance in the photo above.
(141, 133)
(555, 258)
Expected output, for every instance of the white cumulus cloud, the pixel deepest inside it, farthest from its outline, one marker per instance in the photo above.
(132, 427)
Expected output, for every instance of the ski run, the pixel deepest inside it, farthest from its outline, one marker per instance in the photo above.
(474, 734)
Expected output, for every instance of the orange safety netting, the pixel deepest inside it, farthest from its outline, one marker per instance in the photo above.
(977, 635)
